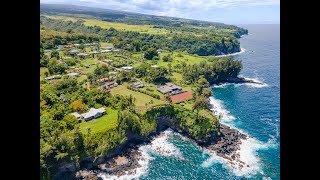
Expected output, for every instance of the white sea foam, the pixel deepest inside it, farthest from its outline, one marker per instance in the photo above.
(138, 172)
(161, 146)
(248, 155)
(242, 50)
(256, 85)
(219, 109)
(248, 148)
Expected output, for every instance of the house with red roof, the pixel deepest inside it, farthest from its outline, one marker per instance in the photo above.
(181, 97)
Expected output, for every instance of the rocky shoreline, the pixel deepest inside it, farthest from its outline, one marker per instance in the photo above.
(124, 164)
(238, 80)
(225, 145)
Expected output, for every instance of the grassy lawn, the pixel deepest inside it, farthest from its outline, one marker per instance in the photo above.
(89, 61)
(141, 99)
(82, 78)
(104, 123)
(103, 44)
(125, 27)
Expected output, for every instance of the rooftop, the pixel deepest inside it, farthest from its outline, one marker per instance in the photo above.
(181, 97)
(73, 74)
(93, 112)
(168, 88)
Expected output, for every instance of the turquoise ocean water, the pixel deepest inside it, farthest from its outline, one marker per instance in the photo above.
(253, 109)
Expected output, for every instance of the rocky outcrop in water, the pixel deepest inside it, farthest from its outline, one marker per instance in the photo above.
(238, 80)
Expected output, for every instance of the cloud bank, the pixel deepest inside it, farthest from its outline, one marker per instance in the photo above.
(175, 8)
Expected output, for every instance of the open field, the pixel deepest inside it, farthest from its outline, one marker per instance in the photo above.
(141, 99)
(119, 26)
(104, 123)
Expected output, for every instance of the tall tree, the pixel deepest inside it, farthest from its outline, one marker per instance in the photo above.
(200, 103)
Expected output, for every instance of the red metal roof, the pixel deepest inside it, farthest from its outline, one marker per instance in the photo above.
(181, 97)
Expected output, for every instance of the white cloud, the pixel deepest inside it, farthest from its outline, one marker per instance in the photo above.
(175, 8)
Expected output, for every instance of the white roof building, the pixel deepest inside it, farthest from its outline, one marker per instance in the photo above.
(52, 77)
(73, 74)
(93, 113)
(126, 68)
(154, 66)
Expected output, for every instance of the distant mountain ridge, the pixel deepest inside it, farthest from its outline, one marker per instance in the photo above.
(121, 16)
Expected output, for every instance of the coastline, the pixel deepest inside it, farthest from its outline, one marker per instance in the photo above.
(242, 50)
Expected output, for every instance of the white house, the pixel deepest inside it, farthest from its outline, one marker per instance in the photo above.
(127, 68)
(73, 74)
(52, 77)
(93, 113)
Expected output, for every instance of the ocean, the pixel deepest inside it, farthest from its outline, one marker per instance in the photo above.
(252, 109)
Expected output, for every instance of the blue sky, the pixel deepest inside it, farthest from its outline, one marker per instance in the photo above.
(225, 11)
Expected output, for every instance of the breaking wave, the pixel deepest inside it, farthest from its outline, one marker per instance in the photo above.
(242, 50)
(248, 163)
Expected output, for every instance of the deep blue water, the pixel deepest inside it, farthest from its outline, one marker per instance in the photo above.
(254, 110)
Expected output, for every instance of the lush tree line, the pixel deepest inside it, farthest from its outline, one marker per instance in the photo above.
(132, 18)
(211, 44)
(219, 70)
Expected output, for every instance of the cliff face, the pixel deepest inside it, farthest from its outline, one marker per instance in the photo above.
(165, 119)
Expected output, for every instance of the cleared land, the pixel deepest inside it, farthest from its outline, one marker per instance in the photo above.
(119, 26)
(141, 99)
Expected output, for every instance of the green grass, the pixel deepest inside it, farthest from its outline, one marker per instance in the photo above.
(103, 44)
(82, 78)
(141, 99)
(89, 61)
(119, 26)
(104, 123)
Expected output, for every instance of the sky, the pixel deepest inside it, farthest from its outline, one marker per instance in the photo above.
(224, 11)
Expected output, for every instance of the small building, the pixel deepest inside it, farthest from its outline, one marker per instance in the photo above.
(116, 50)
(110, 85)
(105, 51)
(126, 68)
(159, 51)
(94, 52)
(168, 88)
(76, 45)
(93, 113)
(73, 74)
(83, 54)
(137, 85)
(181, 97)
(154, 66)
(74, 51)
(113, 73)
(52, 77)
(102, 80)
(47, 50)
